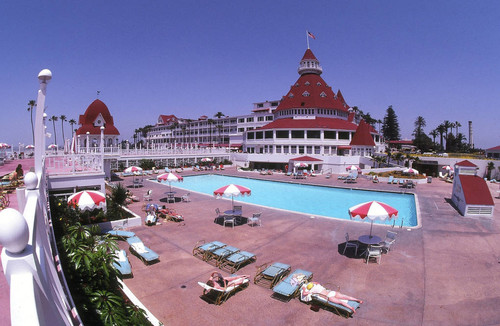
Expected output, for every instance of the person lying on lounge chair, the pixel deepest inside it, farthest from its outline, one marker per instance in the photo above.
(311, 288)
(217, 281)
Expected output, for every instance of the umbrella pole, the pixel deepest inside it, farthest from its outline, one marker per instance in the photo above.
(371, 227)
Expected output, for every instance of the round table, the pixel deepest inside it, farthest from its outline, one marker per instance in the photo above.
(369, 240)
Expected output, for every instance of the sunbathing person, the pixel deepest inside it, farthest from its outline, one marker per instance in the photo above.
(311, 288)
(219, 282)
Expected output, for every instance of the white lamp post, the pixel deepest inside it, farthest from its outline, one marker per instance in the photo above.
(43, 77)
(88, 143)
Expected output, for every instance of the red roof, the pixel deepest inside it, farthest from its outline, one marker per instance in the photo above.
(87, 120)
(311, 91)
(165, 119)
(309, 55)
(466, 163)
(317, 123)
(362, 136)
(496, 148)
(476, 190)
(306, 159)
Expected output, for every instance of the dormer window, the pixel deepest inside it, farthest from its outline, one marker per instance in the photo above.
(306, 94)
(318, 84)
(290, 95)
(307, 83)
(297, 85)
(323, 94)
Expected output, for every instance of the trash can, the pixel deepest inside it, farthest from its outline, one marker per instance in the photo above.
(429, 179)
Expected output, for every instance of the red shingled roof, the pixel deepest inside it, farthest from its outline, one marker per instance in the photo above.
(87, 120)
(167, 118)
(362, 137)
(476, 190)
(466, 163)
(306, 159)
(318, 123)
(496, 148)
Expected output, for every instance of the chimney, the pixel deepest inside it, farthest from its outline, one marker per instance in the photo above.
(471, 138)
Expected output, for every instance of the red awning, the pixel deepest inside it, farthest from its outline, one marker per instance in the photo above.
(344, 147)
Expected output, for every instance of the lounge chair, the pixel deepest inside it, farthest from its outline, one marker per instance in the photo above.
(185, 198)
(121, 234)
(269, 275)
(148, 196)
(138, 248)
(201, 249)
(122, 264)
(390, 180)
(255, 219)
(289, 287)
(235, 261)
(375, 179)
(219, 296)
(322, 301)
(216, 256)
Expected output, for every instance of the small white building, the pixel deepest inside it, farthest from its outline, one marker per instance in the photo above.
(470, 193)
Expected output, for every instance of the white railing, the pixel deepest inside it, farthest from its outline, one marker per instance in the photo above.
(74, 164)
(38, 291)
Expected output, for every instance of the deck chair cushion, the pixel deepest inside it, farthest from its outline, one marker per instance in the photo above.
(275, 269)
(289, 286)
(121, 233)
(322, 300)
(240, 257)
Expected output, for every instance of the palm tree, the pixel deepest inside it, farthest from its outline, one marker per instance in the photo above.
(457, 125)
(31, 105)
(219, 129)
(419, 126)
(72, 122)
(441, 130)
(434, 134)
(54, 119)
(490, 167)
(219, 115)
(210, 122)
(62, 117)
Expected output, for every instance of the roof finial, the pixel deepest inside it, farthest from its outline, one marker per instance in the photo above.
(98, 92)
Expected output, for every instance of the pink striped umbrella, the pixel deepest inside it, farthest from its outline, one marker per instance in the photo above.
(373, 210)
(353, 167)
(87, 200)
(169, 177)
(231, 191)
(132, 168)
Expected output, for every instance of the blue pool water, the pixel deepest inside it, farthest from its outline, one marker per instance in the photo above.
(313, 200)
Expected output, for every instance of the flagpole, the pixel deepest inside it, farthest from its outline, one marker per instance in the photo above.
(307, 39)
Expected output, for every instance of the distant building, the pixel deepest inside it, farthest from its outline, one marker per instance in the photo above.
(493, 152)
(96, 116)
(471, 194)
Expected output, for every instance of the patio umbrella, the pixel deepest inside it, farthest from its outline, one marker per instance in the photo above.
(231, 191)
(448, 168)
(169, 177)
(87, 200)
(206, 159)
(4, 145)
(30, 147)
(301, 165)
(352, 167)
(52, 146)
(410, 171)
(132, 169)
(373, 210)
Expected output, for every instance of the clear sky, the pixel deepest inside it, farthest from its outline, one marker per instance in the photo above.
(435, 59)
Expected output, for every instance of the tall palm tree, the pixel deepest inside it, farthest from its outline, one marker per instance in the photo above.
(72, 122)
(54, 119)
(219, 115)
(457, 125)
(419, 126)
(31, 105)
(219, 129)
(62, 117)
(441, 130)
(434, 134)
(210, 122)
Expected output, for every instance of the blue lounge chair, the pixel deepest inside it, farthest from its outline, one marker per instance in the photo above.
(235, 261)
(122, 264)
(289, 287)
(391, 178)
(202, 249)
(269, 275)
(219, 296)
(339, 309)
(215, 257)
(140, 250)
(121, 234)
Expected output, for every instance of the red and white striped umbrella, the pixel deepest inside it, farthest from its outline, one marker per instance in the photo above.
(232, 190)
(448, 168)
(301, 165)
(30, 146)
(52, 146)
(87, 200)
(410, 171)
(169, 177)
(4, 145)
(206, 159)
(373, 210)
(132, 169)
(353, 167)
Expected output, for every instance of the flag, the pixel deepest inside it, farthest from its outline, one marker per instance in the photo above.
(311, 35)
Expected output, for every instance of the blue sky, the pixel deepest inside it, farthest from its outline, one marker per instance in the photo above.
(436, 59)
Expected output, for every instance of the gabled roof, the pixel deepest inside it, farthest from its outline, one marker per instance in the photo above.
(87, 119)
(496, 148)
(317, 123)
(311, 91)
(476, 191)
(165, 119)
(306, 159)
(362, 136)
(466, 163)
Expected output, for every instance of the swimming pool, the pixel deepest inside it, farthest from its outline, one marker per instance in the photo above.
(313, 200)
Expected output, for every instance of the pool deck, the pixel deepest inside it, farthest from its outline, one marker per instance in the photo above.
(442, 273)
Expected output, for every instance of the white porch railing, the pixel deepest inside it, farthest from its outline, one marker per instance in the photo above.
(74, 164)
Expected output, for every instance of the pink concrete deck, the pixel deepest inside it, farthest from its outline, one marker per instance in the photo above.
(445, 272)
